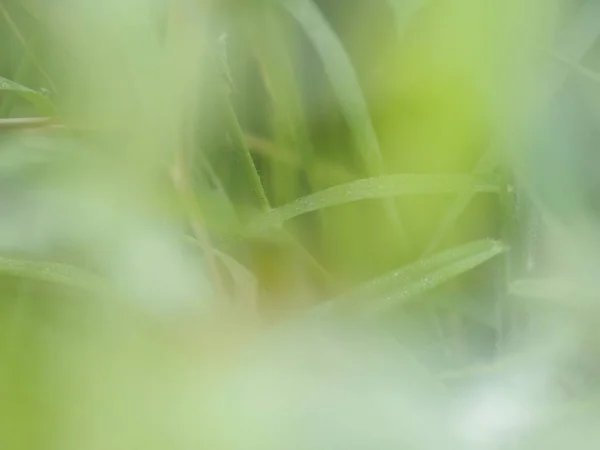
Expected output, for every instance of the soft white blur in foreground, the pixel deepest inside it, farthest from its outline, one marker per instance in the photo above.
(156, 360)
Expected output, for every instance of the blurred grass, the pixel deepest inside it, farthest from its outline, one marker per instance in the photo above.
(194, 172)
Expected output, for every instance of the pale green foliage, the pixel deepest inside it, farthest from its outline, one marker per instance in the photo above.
(298, 224)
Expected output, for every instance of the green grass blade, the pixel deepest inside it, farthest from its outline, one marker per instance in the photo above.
(246, 158)
(373, 188)
(40, 101)
(346, 87)
(276, 51)
(343, 79)
(52, 272)
(243, 150)
(26, 46)
(575, 44)
(8, 100)
(240, 145)
(456, 208)
(398, 287)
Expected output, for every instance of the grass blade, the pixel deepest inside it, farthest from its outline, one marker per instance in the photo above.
(346, 87)
(373, 188)
(52, 272)
(456, 208)
(542, 288)
(398, 287)
(276, 53)
(246, 159)
(40, 101)
(342, 77)
(8, 100)
(26, 46)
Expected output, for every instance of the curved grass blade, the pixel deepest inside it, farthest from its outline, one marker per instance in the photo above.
(40, 101)
(342, 77)
(277, 53)
(52, 272)
(373, 188)
(346, 87)
(400, 286)
(456, 208)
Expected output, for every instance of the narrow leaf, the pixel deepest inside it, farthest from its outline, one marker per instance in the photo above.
(344, 82)
(342, 77)
(40, 101)
(456, 208)
(51, 272)
(400, 286)
(27, 45)
(373, 188)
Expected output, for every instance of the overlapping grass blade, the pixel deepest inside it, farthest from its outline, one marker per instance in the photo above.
(7, 102)
(274, 49)
(26, 44)
(342, 76)
(40, 101)
(456, 208)
(398, 287)
(373, 188)
(346, 87)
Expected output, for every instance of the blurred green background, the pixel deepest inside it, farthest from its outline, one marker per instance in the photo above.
(293, 223)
